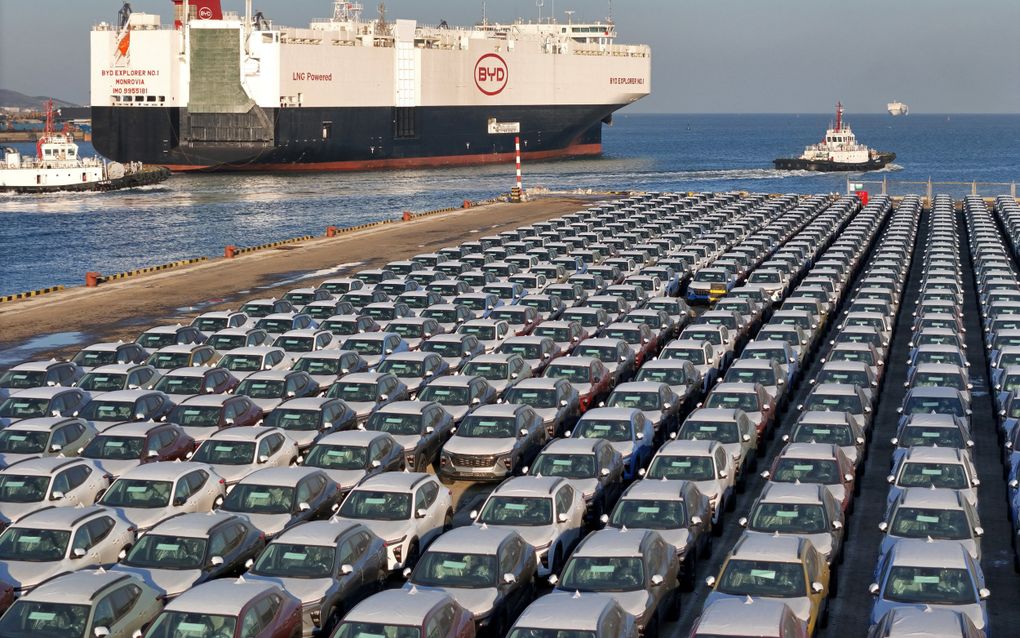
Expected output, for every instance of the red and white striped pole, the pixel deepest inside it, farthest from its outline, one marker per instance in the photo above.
(517, 149)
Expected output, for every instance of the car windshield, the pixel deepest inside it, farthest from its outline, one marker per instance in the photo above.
(954, 358)
(918, 435)
(100, 410)
(291, 419)
(38, 619)
(929, 585)
(402, 368)
(934, 405)
(837, 434)
(241, 362)
(114, 448)
(442, 315)
(791, 470)
(365, 346)
(762, 578)
(484, 333)
(516, 510)
(948, 475)
(559, 335)
(395, 423)
(844, 376)
(528, 632)
(834, 402)
(295, 344)
(747, 401)
(181, 624)
(103, 381)
(453, 569)
(788, 518)
(864, 356)
(381, 313)
(605, 354)
(488, 427)
(377, 506)
(337, 457)
(611, 430)
(16, 488)
(722, 431)
(227, 342)
(649, 514)
(571, 466)
(682, 468)
(341, 327)
(694, 355)
(167, 552)
(24, 408)
(354, 629)
(225, 452)
(23, 379)
(586, 319)
(286, 560)
(275, 326)
(917, 522)
(488, 371)
(526, 350)
(169, 360)
(180, 384)
(261, 388)
(445, 395)
(251, 498)
(410, 330)
(764, 376)
(543, 305)
(536, 398)
(708, 276)
(141, 493)
(33, 545)
(354, 392)
(157, 340)
(23, 441)
(603, 573)
(572, 373)
(648, 401)
(95, 358)
(194, 416)
(256, 310)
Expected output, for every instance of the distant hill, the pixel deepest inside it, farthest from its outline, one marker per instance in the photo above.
(20, 100)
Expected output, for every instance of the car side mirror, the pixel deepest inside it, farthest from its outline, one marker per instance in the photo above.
(710, 581)
(429, 429)
(303, 506)
(180, 500)
(376, 463)
(139, 416)
(263, 459)
(56, 447)
(837, 525)
(79, 552)
(639, 436)
(523, 432)
(657, 580)
(151, 454)
(848, 477)
(604, 472)
(346, 569)
(421, 512)
(817, 587)
(524, 470)
(101, 632)
(56, 495)
(979, 531)
(384, 397)
(745, 438)
(553, 579)
(216, 561)
(984, 593)
(389, 350)
(509, 578)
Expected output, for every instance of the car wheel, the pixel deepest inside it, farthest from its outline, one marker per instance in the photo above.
(413, 553)
(674, 608)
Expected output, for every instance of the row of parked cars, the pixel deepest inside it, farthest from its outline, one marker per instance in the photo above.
(203, 451)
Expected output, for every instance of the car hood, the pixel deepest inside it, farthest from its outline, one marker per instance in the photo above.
(800, 606)
(267, 405)
(308, 590)
(115, 467)
(479, 602)
(172, 582)
(534, 535)
(25, 574)
(362, 408)
(499, 385)
(582, 388)
(11, 512)
(386, 530)
(372, 359)
(304, 438)
(180, 398)
(464, 445)
(458, 412)
(269, 524)
(547, 414)
(822, 542)
(346, 479)
(234, 473)
(634, 602)
(10, 459)
(143, 517)
(200, 434)
(324, 380)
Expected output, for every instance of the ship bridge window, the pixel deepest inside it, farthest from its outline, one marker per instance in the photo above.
(150, 98)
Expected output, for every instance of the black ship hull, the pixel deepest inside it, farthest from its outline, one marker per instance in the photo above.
(146, 177)
(798, 164)
(342, 138)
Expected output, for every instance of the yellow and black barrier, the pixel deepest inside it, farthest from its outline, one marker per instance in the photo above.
(30, 293)
(93, 279)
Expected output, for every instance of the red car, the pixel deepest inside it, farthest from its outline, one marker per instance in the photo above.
(393, 612)
(232, 609)
(204, 415)
(588, 375)
(752, 398)
(823, 463)
(122, 447)
(640, 336)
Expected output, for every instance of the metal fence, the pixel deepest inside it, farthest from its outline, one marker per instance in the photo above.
(929, 188)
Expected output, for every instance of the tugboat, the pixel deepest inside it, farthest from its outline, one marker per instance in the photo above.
(57, 167)
(839, 151)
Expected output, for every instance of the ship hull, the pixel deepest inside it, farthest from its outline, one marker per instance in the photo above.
(145, 177)
(344, 138)
(799, 164)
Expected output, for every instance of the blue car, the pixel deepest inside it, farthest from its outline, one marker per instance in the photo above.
(627, 430)
(710, 284)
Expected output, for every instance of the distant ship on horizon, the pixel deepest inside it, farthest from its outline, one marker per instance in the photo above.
(897, 108)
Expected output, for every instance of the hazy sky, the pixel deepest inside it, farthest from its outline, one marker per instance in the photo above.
(941, 56)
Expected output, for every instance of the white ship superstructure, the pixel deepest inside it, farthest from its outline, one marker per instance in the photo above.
(897, 108)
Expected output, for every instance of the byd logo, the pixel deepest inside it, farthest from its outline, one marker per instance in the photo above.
(491, 74)
(205, 13)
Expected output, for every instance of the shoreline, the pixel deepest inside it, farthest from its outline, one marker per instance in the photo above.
(121, 309)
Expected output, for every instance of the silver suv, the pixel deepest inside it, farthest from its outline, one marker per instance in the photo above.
(151, 493)
(36, 484)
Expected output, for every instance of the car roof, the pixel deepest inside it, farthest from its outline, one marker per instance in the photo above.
(823, 416)
(125, 395)
(279, 475)
(472, 539)
(317, 532)
(406, 407)
(652, 489)
(735, 386)
(256, 350)
(163, 471)
(116, 368)
(571, 360)
(360, 438)
(792, 493)
(408, 607)
(242, 433)
(77, 588)
(740, 615)
(43, 465)
(934, 391)
(615, 414)
(416, 355)
(562, 610)
(640, 386)
(179, 347)
(497, 409)
(394, 481)
(188, 371)
(933, 419)
(363, 377)
(613, 542)
(42, 392)
(528, 485)
(922, 552)
(935, 498)
(39, 424)
(269, 375)
(810, 451)
(571, 446)
(715, 414)
(777, 547)
(677, 447)
(133, 428)
(535, 383)
(192, 525)
(59, 517)
(220, 597)
(835, 388)
(931, 621)
(305, 403)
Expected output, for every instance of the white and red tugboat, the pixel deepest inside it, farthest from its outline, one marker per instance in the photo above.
(839, 151)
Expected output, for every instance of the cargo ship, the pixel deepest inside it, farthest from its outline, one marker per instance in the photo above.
(216, 90)
(839, 150)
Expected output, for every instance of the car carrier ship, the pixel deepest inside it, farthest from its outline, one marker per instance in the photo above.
(222, 91)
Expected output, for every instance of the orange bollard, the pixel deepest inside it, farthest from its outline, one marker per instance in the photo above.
(229, 252)
(92, 279)
(407, 216)
(467, 204)
(330, 231)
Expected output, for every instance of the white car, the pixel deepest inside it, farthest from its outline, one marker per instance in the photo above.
(34, 484)
(150, 493)
(545, 510)
(408, 510)
(236, 452)
(704, 463)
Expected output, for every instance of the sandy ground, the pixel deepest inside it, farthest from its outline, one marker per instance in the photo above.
(122, 309)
